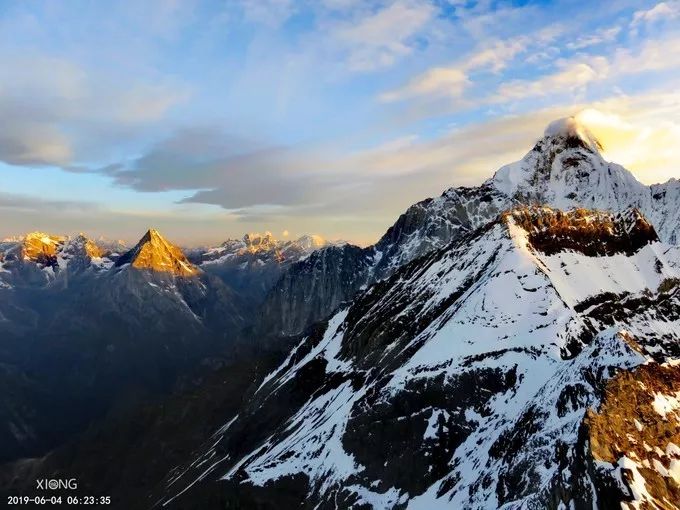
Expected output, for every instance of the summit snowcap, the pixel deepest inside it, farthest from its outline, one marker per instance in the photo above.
(572, 127)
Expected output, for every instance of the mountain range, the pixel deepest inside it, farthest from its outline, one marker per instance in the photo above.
(512, 345)
(77, 317)
(564, 169)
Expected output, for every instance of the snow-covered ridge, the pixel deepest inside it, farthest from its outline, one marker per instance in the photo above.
(51, 254)
(473, 366)
(616, 253)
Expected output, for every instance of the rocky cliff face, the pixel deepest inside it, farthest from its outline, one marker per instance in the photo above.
(41, 248)
(633, 440)
(321, 282)
(464, 379)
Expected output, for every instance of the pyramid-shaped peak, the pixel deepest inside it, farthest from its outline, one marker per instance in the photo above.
(153, 235)
(566, 169)
(154, 252)
(573, 132)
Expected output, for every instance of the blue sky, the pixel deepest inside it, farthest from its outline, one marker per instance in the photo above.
(210, 119)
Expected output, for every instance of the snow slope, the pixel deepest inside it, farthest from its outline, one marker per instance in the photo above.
(461, 381)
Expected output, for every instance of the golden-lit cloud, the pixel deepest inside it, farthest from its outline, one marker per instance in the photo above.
(644, 142)
(440, 81)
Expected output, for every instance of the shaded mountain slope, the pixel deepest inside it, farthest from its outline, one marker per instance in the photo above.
(84, 334)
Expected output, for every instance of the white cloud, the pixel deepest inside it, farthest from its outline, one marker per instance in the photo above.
(52, 106)
(439, 81)
(452, 80)
(654, 55)
(661, 11)
(602, 36)
(497, 56)
(379, 39)
(572, 77)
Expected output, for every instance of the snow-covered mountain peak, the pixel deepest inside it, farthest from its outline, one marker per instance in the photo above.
(79, 253)
(256, 241)
(154, 252)
(310, 242)
(566, 170)
(263, 245)
(571, 131)
(41, 247)
(83, 244)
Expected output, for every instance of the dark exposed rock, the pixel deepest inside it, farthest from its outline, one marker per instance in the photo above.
(587, 232)
(312, 288)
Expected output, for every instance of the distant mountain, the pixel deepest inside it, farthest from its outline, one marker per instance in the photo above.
(85, 325)
(253, 264)
(154, 253)
(83, 333)
(465, 380)
(565, 169)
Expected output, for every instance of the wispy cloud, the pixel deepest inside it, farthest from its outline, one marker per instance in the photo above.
(269, 12)
(451, 81)
(380, 39)
(570, 78)
(604, 35)
(665, 11)
(439, 81)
